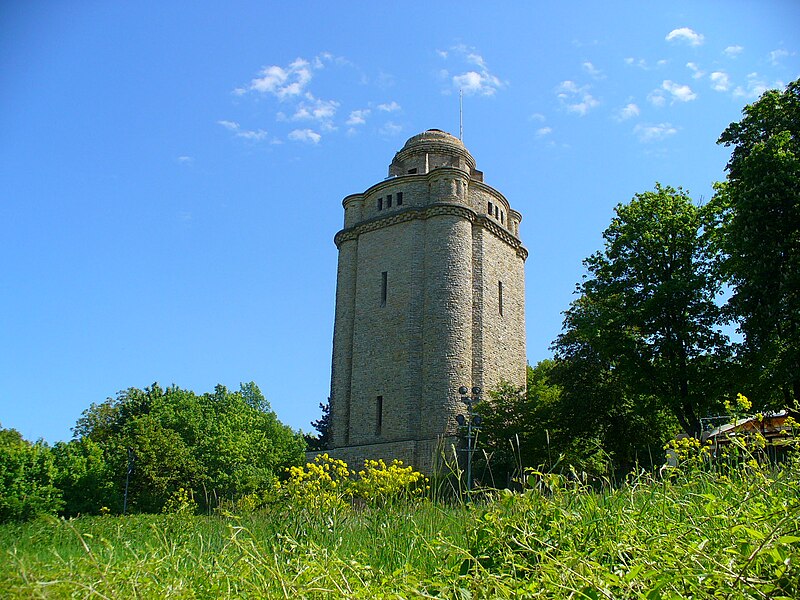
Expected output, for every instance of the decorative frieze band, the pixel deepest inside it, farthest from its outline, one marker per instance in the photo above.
(432, 210)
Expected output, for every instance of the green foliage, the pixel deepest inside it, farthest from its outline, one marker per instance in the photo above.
(84, 477)
(645, 330)
(758, 237)
(218, 446)
(27, 478)
(321, 440)
(698, 533)
(518, 426)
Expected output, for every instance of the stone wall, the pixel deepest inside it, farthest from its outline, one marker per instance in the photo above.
(418, 306)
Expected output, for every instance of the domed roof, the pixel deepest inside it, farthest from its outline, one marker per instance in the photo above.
(436, 136)
(429, 150)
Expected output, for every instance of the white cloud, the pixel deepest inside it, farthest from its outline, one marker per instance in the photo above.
(654, 133)
(473, 81)
(777, 55)
(358, 117)
(685, 34)
(682, 93)
(315, 109)
(592, 70)
(389, 106)
(733, 51)
(628, 112)
(543, 131)
(576, 99)
(229, 125)
(642, 63)
(755, 86)
(538, 117)
(305, 135)
(284, 82)
(720, 81)
(255, 135)
(657, 98)
(696, 72)
(185, 160)
(390, 129)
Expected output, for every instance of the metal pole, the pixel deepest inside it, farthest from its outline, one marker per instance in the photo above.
(469, 451)
(127, 480)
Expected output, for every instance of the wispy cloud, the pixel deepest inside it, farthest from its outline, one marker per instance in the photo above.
(305, 135)
(654, 133)
(315, 109)
(680, 93)
(720, 82)
(185, 160)
(592, 70)
(544, 131)
(576, 99)
(281, 82)
(358, 117)
(643, 64)
(685, 34)
(733, 51)
(776, 56)
(753, 88)
(390, 129)
(255, 135)
(629, 111)
(389, 106)
(696, 72)
(474, 77)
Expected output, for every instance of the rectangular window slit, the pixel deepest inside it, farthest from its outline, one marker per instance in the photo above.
(384, 278)
(378, 415)
(380, 203)
(490, 209)
(500, 297)
(399, 198)
(412, 171)
(389, 201)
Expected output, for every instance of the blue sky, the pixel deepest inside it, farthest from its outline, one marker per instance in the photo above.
(171, 173)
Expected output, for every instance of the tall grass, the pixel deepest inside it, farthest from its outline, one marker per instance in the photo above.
(695, 534)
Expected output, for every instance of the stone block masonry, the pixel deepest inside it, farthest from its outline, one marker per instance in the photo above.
(430, 296)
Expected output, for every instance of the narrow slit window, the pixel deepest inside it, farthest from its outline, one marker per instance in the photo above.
(490, 209)
(412, 171)
(496, 212)
(399, 198)
(378, 415)
(384, 281)
(380, 203)
(502, 217)
(389, 201)
(500, 297)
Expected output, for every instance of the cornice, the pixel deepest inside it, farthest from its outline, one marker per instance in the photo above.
(426, 212)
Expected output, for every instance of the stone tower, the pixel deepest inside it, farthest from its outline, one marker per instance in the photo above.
(430, 296)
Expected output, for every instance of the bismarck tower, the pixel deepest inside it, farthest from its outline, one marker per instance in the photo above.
(430, 296)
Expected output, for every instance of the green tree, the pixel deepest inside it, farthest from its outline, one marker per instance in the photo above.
(321, 440)
(84, 477)
(517, 425)
(219, 445)
(758, 211)
(27, 478)
(646, 326)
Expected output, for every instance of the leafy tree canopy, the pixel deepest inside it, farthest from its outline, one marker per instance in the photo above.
(758, 236)
(646, 323)
(218, 445)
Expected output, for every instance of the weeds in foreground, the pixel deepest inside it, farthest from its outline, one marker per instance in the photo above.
(697, 531)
